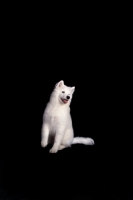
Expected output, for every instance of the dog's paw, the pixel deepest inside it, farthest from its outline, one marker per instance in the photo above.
(43, 143)
(53, 150)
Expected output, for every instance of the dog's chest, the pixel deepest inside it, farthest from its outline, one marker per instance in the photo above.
(55, 121)
(56, 117)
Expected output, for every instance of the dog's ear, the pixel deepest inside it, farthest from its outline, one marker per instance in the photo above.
(59, 84)
(72, 89)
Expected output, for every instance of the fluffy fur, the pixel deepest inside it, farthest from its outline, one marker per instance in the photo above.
(57, 124)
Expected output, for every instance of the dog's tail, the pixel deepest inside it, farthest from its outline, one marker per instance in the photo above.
(81, 140)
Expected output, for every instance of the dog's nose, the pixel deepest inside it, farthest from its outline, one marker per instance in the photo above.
(68, 97)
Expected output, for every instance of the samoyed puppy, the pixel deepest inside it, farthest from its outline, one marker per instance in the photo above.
(57, 123)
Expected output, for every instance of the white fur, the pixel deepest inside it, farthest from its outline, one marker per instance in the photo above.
(57, 124)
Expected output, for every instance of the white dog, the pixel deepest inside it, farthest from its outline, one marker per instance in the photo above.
(57, 124)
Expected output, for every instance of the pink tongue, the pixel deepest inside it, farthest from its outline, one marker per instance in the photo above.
(65, 101)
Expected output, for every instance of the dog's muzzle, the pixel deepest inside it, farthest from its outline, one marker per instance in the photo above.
(66, 100)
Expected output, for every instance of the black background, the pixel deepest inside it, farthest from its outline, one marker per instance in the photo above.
(89, 57)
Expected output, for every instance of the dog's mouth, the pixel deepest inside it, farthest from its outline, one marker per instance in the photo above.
(64, 100)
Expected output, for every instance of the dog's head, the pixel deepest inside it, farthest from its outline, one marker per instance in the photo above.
(64, 92)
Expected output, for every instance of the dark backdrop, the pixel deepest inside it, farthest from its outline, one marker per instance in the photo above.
(99, 110)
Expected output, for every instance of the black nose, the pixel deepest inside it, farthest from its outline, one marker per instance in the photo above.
(68, 97)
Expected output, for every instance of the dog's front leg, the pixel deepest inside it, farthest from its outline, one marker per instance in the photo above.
(57, 142)
(45, 135)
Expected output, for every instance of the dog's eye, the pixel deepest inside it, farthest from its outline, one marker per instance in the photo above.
(63, 91)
